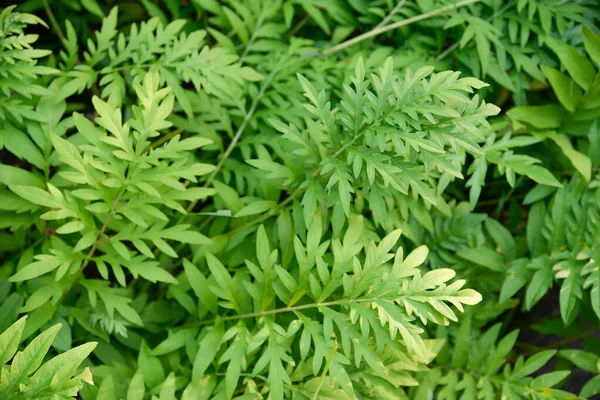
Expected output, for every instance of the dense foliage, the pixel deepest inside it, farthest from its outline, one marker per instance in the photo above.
(370, 199)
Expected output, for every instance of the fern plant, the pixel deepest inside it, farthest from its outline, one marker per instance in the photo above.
(115, 62)
(478, 369)
(299, 199)
(562, 237)
(20, 91)
(114, 174)
(29, 377)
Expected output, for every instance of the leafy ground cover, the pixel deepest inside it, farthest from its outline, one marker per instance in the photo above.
(305, 199)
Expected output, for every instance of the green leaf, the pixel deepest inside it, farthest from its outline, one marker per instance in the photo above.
(70, 227)
(484, 257)
(540, 283)
(592, 44)
(150, 367)
(201, 388)
(536, 173)
(483, 50)
(167, 391)
(582, 359)
(45, 264)
(21, 145)
(532, 364)
(136, 389)
(156, 274)
(68, 153)
(93, 7)
(173, 342)
(591, 388)
(61, 368)
(35, 195)
(207, 350)
(27, 361)
(229, 196)
(503, 238)
(579, 67)
(580, 161)
(535, 224)
(257, 207)
(549, 380)
(542, 117)
(238, 25)
(463, 344)
(518, 275)
(250, 74)
(538, 193)
(568, 93)
(13, 176)
(317, 15)
(200, 286)
(10, 339)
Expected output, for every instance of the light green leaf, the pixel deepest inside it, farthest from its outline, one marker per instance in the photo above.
(173, 342)
(45, 264)
(582, 359)
(10, 339)
(27, 361)
(61, 368)
(591, 388)
(580, 161)
(257, 207)
(592, 44)
(200, 286)
(35, 195)
(568, 93)
(136, 388)
(202, 387)
(579, 67)
(238, 25)
(167, 391)
(93, 7)
(542, 117)
(21, 145)
(484, 257)
(13, 176)
(532, 364)
(549, 379)
(207, 350)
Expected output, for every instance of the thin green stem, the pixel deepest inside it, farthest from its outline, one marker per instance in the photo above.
(259, 22)
(242, 128)
(300, 191)
(557, 344)
(162, 140)
(389, 17)
(283, 310)
(54, 23)
(296, 193)
(324, 374)
(505, 198)
(261, 377)
(449, 50)
(90, 254)
(236, 138)
(299, 25)
(378, 31)
(496, 201)
(455, 45)
(270, 214)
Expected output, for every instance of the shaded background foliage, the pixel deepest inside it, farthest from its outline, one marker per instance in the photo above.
(228, 199)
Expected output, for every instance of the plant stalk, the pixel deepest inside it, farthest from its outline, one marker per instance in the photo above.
(396, 25)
